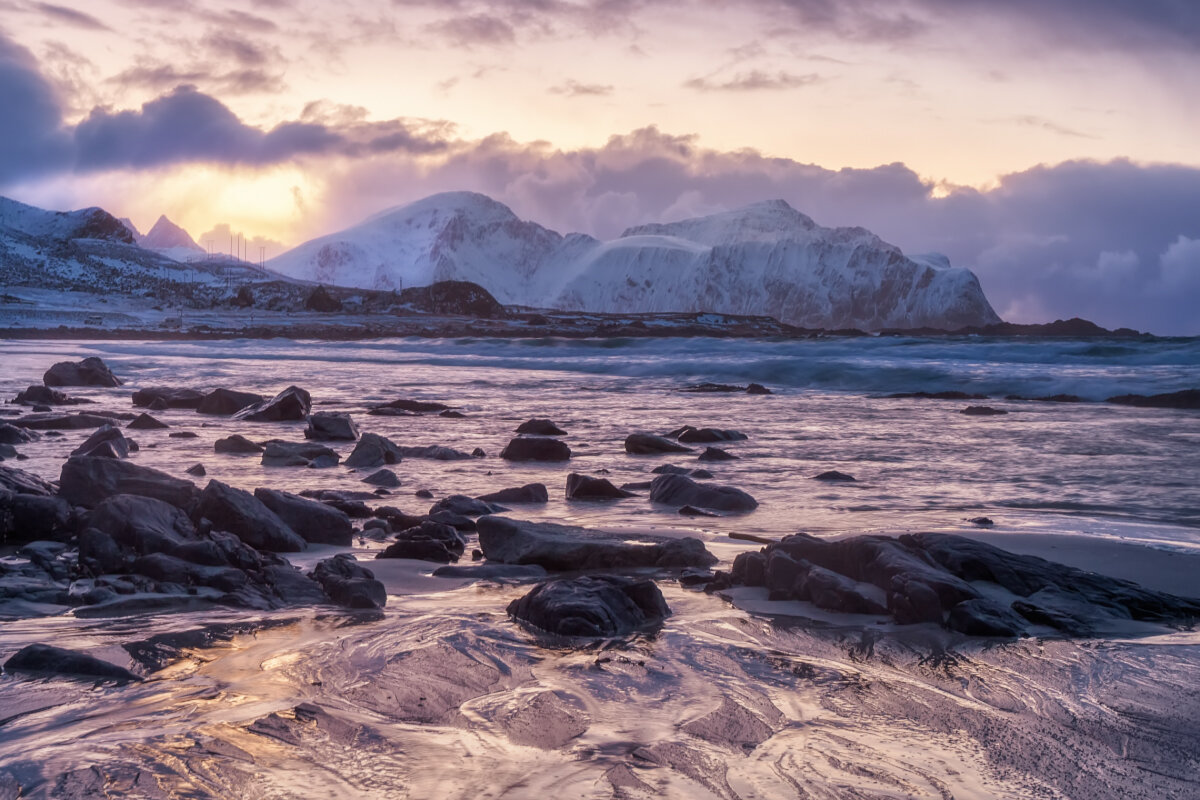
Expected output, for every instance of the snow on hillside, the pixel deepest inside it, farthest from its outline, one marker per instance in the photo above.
(766, 258)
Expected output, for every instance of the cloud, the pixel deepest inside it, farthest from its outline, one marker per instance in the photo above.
(573, 88)
(753, 81)
(70, 16)
(1031, 121)
(158, 76)
(475, 30)
(31, 125)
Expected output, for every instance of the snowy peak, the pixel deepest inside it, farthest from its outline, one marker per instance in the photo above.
(88, 223)
(166, 235)
(769, 221)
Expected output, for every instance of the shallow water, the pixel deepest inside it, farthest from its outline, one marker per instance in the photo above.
(442, 696)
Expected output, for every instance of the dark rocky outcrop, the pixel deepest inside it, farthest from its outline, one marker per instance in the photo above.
(529, 493)
(535, 448)
(564, 548)
(1186, 399)
(948, 395)
(540, 427)
(680, 490)
(671, 469)
(167, 397)
(412, 406)
(435, 452)
(428, 541)
(320, 300)
(373, 450)
(325, 426)
(106, 442)
(38, 395)
(726, 388)
(691, 435)
(196, 470)
(65, 422)
(292, 404)
(983, 411)
(716, 454)
(650, 444)
(349, 583)
(87, 481)
(456, 298)
(237, 444)
(145, 422)
(385, 478)
(226, 402)
(89, 372)
(246, 517)
(45, 659)
(278, 453)
(585, 487)
(833, 476)
(31, 516)
(19, 481)
(466, 506)
(315, 522)
(592, 606)
(11, 434)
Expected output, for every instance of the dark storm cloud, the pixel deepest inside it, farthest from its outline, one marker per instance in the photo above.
(753, 81)
(31, 133)
(70, 16)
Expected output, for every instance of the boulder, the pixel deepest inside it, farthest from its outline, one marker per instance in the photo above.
(32, 517)
(564, 548)
(88, 481)
(691, 435)
(983, 617)
(413, 406)
(348, 583)
(373, 450)
(650, 444)
(292, 404)
(983, 411)
(836, 592)
(196, 470)
(540, 427)
(170, 397)
(535, 448)
(246, 517)
(585, 487)
(833, 476)
(37, 395)
(592, 606)
(466, 506)
(671, 469)
(429, 541)
(324, 426)
(11, 434)
(19, 481)
(716, 454)
(145, 422)
(351, 503)
(64, 422)
(321, 301)
(436, 452)
(237, 444)
(89, 372)
(184, 435)
(529, 493)
(298, 454)
(106, 442)
(315, 522)
(45, 659)
(226, 402)
(680, 490)
(383, 477)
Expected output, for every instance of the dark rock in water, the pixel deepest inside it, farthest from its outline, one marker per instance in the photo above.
(478, 453)
(158, 405)
(585, 487)
(298, 454)
(529, 493)
(425, 494)
(315, 522)
(679, 490)
(1186, 399)
(348, 583)
(650, 444)
(458, 521)
(429, 541)
(835, 592)
(46, 659)
(145, 422)
(237, 444)
(713, 387)
(45, 396)
(18, 481)
(951, 395)
(64, 422)
(540, 427)
(350, 503)
(87, 481)
(637, 486)
(373, 450)
(983, 617)
(184, 435)
(106, 442)
(591, 606)
(293, 403)
(226, 402)
(1060, 398)
(458, 298)
(466, 506)
(983, 411)
(435, 452)
(247, 518)
(11, 434)
(320, 300)
(171, 397)
(535, 448)
(492, 572)
(716, 454)
(324, 426)
(384, 477)
(32, 517)
(562, 547)
(691, 435)
(197, 469)
(983, 522)
(89, 372)
(452, 414)
(415, 406)
(671, 469)
(692, 511)
(833, 476)
(399, 520)
(757, 388)
(913, 601)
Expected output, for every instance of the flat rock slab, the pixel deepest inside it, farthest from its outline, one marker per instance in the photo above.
(44, 659)
(680, 490)
(564, 548)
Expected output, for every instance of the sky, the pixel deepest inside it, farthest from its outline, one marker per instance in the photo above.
(1049, 145)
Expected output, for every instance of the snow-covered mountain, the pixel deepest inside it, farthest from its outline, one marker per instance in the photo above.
(765, 258)
(172, 241)
(20, 221)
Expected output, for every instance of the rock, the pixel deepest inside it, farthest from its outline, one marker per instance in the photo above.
(292, 404)
(46, 659)
(63, 422)
(982, 411)
(535, 448)
(106, 442)
(649, 444)
(757, 388)
(37, 395)
(87, 481)
(692, 511)
(89, 372)
(951, 395)
(170, 397)
(458, 521)
(836, 592)
(326, 426)
(671, 469)
(478, 452)
(716, 454)
(585, 487)
(492, 572)
(348, 583)
(707, 388)
(833, 476)
(982, 617)
(197, 469)
(679, 490)
(32, 517)
(226, 402)
(982, 522)
(637, 486)
(11, 434)
(562, 547)
(320, 300)
(466, 506)
(237, 444)
(184, 435)
(145, 422)
(435, 452)
(373, 450)
(692, 435)
(540, 427)
(247, 518)
(315, 522)
(350, 503)
(913, 601)
(424, 494)
(414, 406)
(592, 606)
(1186, 399)
(18, 481)
(383, 477)
(529, 493)
(429, 541)
(298, 454)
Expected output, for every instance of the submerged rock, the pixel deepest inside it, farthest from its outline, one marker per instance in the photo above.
(592, 606)
(226, 402)
(64, 422)
(298, 454)
(671, 469)
(563, 547)
(435, 452)
(691, 435)
(89, 372)
(585, 487)
(540, 427)
(650, 444)
(237, 444)
(292, 404)
(466, 506)
(37, 395)
(529, 493)
(145, 422)
(716, 454)
(413, 406)
(384, 477)
(167, 397)
(983, 411)
(373, 450)
(679, 490)
(833, 476)
(429, 541)
(326, 426)
(348, 583)
(536, 448)
(45, 659)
